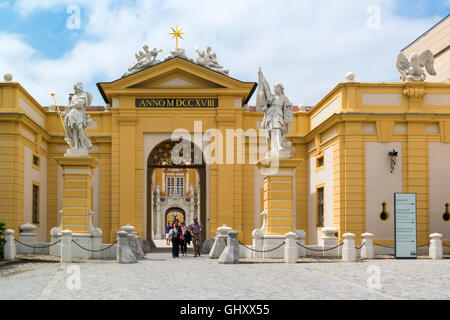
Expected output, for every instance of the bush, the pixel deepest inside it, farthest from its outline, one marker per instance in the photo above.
(2, 238)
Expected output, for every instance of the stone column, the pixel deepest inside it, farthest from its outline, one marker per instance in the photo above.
(330, 240)
(9, 250)
(290, 249)
(77, 175)
(27, 236)
(66, 247)
(159, 222)
(349, 250)
(279, 179)
(436, 250)
(231, 253)
(220, 243)
(367, 243)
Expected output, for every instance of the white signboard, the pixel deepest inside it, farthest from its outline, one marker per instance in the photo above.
(405, 226)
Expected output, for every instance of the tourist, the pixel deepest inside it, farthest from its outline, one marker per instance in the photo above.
(176, 238)
(195, 229)
(185, 239)
(168, 227)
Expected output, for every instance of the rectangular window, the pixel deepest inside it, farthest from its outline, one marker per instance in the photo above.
(180, 186)
(36, 161)
(320, 162)
(35, 204)
(170, 185)
(320, 206)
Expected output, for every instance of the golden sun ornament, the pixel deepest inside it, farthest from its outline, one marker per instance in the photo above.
(177, 33)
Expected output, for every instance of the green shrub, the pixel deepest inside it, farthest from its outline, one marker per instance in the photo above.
(2, 238)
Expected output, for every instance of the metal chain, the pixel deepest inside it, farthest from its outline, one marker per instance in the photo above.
(379, 245)
(258, 251)
(43, 247)
(318, 250)
(425, 245)
(115, 242)
(359, 248)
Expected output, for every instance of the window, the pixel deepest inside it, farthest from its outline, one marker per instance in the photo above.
(36, 161)
(170, 185)
(180, 186)
(320, 162)
(35, 206)
(320, 206)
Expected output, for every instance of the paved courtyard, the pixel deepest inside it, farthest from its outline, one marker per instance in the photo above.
(205, 279)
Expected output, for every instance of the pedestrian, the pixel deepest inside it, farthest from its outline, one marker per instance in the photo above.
(195, 229)
(176, 238)
(168, 227)
(185, 239)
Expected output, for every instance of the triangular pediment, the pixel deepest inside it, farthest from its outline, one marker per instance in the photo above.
(172, 76)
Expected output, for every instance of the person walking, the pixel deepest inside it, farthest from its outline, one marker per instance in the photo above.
(195, 229)
(176, 238)
(168, 227)
(185, 239)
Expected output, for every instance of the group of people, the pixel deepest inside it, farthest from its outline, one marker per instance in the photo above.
(181, 236)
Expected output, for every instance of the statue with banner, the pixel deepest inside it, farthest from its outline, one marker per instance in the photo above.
(278, 116)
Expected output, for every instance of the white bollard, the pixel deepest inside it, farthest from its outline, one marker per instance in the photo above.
(436, 250)
(301, 251)
(290, 249)
(27, 236)
(330, 240)
(66, 247)
(349, 250)
(231, 253)
(367, 243)
(124, 252)
(9, 250)
(220, 242)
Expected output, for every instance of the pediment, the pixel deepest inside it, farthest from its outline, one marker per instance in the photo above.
(172, 75)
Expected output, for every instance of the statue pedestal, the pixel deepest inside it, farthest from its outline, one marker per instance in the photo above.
(279, 195)
(76, 202)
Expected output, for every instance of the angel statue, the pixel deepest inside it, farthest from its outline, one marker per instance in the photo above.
(75, 119)
(278, 115)
(144, 59)
(412, 70)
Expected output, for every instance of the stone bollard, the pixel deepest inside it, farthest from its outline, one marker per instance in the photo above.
(301, 236)
(349, 250)
(231, 253)
(220, 243)
(9, 250)
(330, 241)
(367, 243)
(124, 253)
(66, 247)
(290, 249)
(27, 236)
(436, 250)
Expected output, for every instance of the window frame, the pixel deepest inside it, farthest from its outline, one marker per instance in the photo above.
(320, 187)
(36, 218)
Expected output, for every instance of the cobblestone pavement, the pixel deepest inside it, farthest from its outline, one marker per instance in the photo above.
(205, 279)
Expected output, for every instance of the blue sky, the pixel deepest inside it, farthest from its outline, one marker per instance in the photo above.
(307, 45)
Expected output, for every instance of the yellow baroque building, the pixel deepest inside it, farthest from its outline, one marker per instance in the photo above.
(346, 178)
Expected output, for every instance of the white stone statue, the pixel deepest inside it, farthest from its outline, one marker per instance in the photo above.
(413, 69)
(178, 53)
(144, 60)
(158, 193)
(76, 120)
(278, 116)
(209, 60)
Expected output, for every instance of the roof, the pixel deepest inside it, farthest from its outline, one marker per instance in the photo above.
(423, 35)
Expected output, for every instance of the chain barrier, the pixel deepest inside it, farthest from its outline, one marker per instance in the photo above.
(258, 251)
(425, 245)
(43, 247)
(360, 247)
(379, 245)
(318, 250)
(94, 251)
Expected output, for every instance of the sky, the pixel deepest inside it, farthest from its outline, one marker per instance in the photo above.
(309, 46)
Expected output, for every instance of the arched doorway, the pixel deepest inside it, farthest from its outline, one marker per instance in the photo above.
(175, 213)
(177, 158)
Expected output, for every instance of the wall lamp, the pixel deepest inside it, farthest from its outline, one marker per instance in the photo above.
(393, 156)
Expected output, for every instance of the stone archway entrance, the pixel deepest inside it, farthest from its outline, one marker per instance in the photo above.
(175, 213)
(172, 168)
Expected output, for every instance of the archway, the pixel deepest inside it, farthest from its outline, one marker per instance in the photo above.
(174, 213)
(178, 157)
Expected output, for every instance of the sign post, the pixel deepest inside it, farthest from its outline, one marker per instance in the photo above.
(405, 221)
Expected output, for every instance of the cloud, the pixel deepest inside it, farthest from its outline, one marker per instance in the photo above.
(307, 45)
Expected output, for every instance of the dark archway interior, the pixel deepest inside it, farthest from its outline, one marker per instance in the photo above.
(162, 157)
